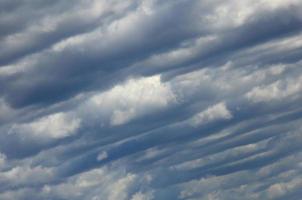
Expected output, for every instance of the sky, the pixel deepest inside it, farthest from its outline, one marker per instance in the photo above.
(150, 99)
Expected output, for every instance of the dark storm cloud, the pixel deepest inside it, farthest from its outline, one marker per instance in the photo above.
(150, 100)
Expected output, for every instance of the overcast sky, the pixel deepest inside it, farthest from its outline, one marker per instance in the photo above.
(150, 99)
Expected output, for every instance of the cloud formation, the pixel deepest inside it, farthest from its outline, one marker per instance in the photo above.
(150, 100)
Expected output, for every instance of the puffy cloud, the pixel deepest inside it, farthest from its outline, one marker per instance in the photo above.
(276, 91)
(134, 98)
(54, 126)
(25, 176)
(279, 190)
(100, 183)
(215, 112)
(103, 155)
(142, 196)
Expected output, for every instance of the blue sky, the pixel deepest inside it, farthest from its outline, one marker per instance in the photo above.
(150, 100)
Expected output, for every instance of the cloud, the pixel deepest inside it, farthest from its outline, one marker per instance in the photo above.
(142, 196)
(25, 176)
(103, 155)
(54, 126)
(215, 112)
(276, 91)
(2, 160)
(150, 100)
(114, 185)
(134, 98)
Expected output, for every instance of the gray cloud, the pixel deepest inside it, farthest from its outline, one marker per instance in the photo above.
(150, 100)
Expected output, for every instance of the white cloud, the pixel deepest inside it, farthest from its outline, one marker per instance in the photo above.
(23, 175)
(233, 13)
(119, 190)
(135, 98)
(100, 184)
(216, 112)
(103, 155)
(277, 190)
(277, 90)
(94, 10)
(142, 196)
(54, 126)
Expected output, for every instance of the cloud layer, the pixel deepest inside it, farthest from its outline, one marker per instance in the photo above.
(150, 100)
